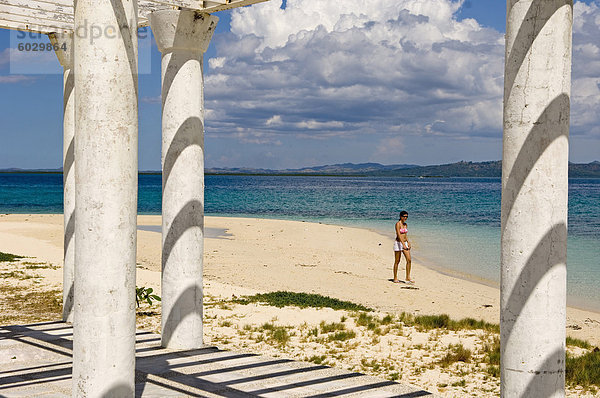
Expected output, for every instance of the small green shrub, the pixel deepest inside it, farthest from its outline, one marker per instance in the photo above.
(9, 257)
(457, 353)
(492, 351)
(493, 371)
(145, 294)
(331, 327)
(302, 300)
(342, 335)
(316, 359)
(460, 383)
(367, 320)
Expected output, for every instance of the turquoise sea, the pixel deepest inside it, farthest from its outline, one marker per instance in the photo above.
(454, 222)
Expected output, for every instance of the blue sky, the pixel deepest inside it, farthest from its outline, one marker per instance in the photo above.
(311, 83)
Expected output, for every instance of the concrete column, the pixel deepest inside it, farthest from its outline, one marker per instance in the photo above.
(534, 197)
(182, 37)
(106, 127)
(63, 44)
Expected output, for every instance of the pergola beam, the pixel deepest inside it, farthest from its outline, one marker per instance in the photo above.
(40, 6)
(47, 16)
(32, 24)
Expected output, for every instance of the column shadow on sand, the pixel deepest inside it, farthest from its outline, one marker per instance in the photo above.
(178, 372)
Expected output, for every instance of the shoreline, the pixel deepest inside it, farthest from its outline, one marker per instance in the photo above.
(576, 302)
(346, 262)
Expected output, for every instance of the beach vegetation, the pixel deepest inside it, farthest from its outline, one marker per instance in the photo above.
(342, 335)
(364, 319)
(274, 333)
(394, 376)
(493, 370)
(460, 383)
(578, 343)
(331, 327)
(584, 370)
(318, 359)
(7, 257)
(491, 351)
(33, 306)
(225, 324)
(145, 294)
(302, 300)
(20, 275)
(456, 353)
(443, 321)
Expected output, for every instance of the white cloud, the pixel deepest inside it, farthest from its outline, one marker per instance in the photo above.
(357, 65)
(340, 70)
(217, 62)
(274, 121)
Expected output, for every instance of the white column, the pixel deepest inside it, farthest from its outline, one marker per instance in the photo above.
(106, 127)
(63, 44)
(182, 37)
(534, 197)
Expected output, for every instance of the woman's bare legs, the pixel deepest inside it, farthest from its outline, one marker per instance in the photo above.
(408, 264)
(397, 256)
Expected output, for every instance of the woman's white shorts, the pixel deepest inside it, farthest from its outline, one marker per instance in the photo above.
(398, 246)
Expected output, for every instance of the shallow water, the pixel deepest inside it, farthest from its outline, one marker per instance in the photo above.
(454, 222)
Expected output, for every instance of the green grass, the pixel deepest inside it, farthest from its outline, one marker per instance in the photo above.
(302, 300)
(584, 370)
(9, 257)
(460, 383)
(331, 327)
(457, 353)
(316, 359)
(16, 275)
(29, 307)
(275, 334)
(342, 335)
(492, 352)
(367, 320)
(443, 321)
(493, 371)
(578, 343)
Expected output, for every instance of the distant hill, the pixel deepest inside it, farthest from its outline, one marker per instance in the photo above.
(459, 169)
(332, 169)
(17, 170)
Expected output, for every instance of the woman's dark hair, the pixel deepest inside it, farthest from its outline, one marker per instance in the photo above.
(403, 213)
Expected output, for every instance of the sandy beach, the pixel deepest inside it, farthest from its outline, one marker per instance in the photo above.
(245, 255)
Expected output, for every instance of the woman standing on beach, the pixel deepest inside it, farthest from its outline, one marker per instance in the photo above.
(402, 245)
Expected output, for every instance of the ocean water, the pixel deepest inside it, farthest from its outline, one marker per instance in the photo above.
(454, 223)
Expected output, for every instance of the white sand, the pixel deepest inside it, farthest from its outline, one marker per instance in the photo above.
(259, 255)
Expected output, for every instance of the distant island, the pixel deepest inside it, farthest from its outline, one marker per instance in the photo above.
(458, 169)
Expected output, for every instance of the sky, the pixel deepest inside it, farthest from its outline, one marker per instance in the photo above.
(315, 82)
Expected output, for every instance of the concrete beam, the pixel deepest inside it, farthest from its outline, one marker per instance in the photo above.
(182, 37)
(534, 197)
(106, 127)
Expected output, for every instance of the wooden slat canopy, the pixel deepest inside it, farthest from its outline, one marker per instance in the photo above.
(56, 16)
